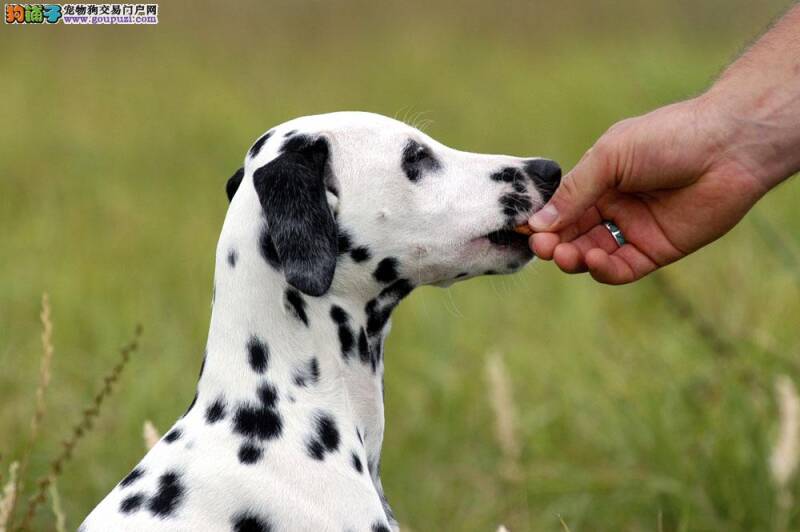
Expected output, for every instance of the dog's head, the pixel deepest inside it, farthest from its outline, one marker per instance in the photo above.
(355, 195)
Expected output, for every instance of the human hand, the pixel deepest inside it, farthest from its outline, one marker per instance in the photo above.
(670, 180)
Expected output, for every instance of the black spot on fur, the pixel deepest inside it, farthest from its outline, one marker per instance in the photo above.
(508, 175)
(173, 435)
(386, 272)
(295, 304)
(377, 316)
(346, 340)
(268, 250)
(232, 257)
(316, 450)
(259, 143)
(258, 353)
(132, 477)
(268, 395)
(169, 495)
(514, 204)
(380, 527)
(247, 522)
(326, 437)
(257, 422)
(397, 290)
(461, 275)
(249, 453)
(289, 133)
(328, 433)
(344, 243)
(233, 183)
(215, 411)
(132, 503)
(342, 319)
(380, 309)
(339, 315)
(360, 254)
(416, 159)
(357, 463)
(490, 272)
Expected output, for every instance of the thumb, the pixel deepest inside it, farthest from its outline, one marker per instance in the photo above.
(579, 190)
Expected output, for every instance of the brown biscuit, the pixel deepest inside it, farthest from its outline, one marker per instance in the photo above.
(523, 229)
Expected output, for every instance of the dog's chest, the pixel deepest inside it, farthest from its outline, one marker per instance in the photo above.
(197, 481)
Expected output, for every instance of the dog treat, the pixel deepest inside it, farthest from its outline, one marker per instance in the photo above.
(523, 229)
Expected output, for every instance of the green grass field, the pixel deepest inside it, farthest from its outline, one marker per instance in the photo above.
(115, 147)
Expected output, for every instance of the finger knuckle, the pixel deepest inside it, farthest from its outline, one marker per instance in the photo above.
(568, 188)
(605, 146)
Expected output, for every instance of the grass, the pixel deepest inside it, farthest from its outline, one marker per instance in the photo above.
(116, 147)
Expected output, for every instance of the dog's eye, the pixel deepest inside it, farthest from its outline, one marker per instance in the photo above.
(417, 157)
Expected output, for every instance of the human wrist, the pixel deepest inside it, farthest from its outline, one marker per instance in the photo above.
(713, 126)
(756, 133)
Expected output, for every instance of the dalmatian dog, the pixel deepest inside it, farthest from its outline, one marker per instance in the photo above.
(333, 220)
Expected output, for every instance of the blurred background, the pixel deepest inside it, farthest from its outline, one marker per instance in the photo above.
(644, 407)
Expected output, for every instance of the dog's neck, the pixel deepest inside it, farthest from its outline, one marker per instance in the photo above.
(322, 355)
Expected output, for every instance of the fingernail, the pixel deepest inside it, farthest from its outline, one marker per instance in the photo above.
(544, 218)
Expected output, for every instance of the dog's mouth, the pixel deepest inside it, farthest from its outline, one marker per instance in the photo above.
(516, 236)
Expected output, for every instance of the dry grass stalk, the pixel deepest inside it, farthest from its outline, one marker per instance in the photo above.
(8, 497)
(502, 528)
(58, 511)
(786, 452)
(150, 435)
(563, 524)
(44, 366)
(505, 415)
(83, 426)
(45, 374)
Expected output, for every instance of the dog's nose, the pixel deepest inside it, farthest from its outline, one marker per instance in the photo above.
(545, 174)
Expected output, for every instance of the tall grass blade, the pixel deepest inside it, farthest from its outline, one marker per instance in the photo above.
(79, 430)
(505, 415)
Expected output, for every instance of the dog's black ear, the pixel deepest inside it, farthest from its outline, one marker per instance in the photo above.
(291, 188)
(233, 183)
